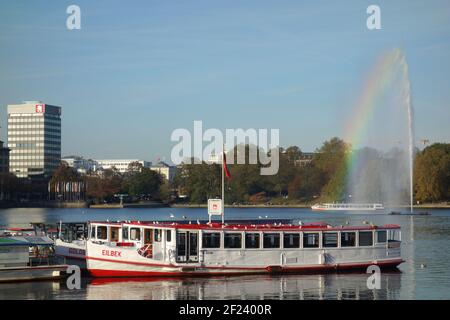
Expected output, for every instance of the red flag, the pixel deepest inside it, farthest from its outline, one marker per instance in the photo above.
(225, 168)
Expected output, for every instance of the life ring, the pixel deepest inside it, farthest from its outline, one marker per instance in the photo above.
(146, 250)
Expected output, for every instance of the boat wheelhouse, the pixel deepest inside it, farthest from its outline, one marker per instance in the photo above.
(348, 206)
(173, 249)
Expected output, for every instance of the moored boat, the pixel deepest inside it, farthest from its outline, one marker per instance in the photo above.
(140, 249)
(347, 206)
(28, 258)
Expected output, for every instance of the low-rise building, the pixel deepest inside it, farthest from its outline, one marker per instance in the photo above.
(121, 164)
(165, 170)
(81, 164)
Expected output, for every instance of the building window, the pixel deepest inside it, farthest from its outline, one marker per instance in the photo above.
(310, 240)
(211, 240)
(102, 233)
(291, 240)
(135, 234)
(271, 240)
(348, 239)
(365, 238)
(381, 236)
(330, 239)
(168, 235)
(232, 240)
(252, 241)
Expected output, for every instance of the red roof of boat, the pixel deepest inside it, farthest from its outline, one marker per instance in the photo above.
(314, 226)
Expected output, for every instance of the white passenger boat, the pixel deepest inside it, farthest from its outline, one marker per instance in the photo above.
(69, 241)
(171, 249)
(347, 206)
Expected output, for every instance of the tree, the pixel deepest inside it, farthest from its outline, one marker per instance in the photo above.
(143, 183)
(432, 173)
(103, 186)
(330, 159)
(64, 173)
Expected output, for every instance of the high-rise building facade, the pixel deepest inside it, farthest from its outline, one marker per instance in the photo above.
(34, 138)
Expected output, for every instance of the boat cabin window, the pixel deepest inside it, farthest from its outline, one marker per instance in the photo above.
(211, 240)
(125, 233)
(148, 235)
(271, 240)
(348, 239)
(252, 241)
(394, 235)
(135, 234)
(114, 234)
(310, 240)
(168, 235)
(102, 232)
(232, 240)
(365, 238)
(157, 235)
(291, 240)
(381, 236)
(93, 229)
(330, 240)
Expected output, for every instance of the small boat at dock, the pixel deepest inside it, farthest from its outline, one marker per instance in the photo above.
(27, 258)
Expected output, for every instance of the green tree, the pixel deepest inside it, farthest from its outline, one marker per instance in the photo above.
(432, 173)
(330, 159)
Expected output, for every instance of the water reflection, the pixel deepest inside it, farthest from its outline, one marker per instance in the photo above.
(297, 287)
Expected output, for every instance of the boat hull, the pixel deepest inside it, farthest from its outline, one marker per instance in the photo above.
(102, 268)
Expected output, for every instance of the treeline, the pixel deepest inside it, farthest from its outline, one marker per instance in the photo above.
(323, 178)
(139, 183)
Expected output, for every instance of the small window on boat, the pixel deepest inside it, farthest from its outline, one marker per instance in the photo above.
(114, 233)
(102, 233)
(394, 236)
(135, 234)
(252, 240)
(168, 235)
(291, 240)
(211, 240)
(232, 240)
(124, 233)
(310, 240)
(381, 236)
(157, 235)
(93, 232)
(348, 239)
(365, 238)
(330, 239)
(271, 240)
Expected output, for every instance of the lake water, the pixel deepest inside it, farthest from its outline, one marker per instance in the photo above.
(424, 275)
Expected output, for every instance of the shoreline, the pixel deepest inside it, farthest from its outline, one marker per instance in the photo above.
(77, 205)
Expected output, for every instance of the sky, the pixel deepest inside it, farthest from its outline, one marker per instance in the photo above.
(137, 70)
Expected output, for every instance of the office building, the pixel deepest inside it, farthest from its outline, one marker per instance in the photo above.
(34, 138)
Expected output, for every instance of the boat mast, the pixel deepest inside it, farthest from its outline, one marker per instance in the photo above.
(223, 183)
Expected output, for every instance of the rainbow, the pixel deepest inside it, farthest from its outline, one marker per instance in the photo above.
(381, 77)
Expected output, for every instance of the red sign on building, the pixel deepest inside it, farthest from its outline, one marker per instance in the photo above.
(40, 108)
